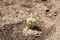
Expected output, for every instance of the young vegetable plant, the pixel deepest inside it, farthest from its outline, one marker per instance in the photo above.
(31, 21)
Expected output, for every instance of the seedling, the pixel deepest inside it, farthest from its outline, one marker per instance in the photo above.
(31, 21)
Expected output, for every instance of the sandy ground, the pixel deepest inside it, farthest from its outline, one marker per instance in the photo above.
(14, 12)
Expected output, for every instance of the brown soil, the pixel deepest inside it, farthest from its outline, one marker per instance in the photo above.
(13, 14)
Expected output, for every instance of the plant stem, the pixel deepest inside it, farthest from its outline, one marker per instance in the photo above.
(31, 14)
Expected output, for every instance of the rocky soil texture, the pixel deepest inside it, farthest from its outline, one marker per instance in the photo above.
(13, 14)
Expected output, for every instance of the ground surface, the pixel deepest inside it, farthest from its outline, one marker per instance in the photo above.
(14, 12)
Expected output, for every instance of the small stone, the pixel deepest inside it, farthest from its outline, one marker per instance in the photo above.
(3, 28)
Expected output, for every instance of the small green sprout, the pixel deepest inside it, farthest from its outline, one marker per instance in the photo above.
(31, 20)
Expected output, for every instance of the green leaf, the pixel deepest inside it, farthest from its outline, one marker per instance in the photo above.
(33, 20)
